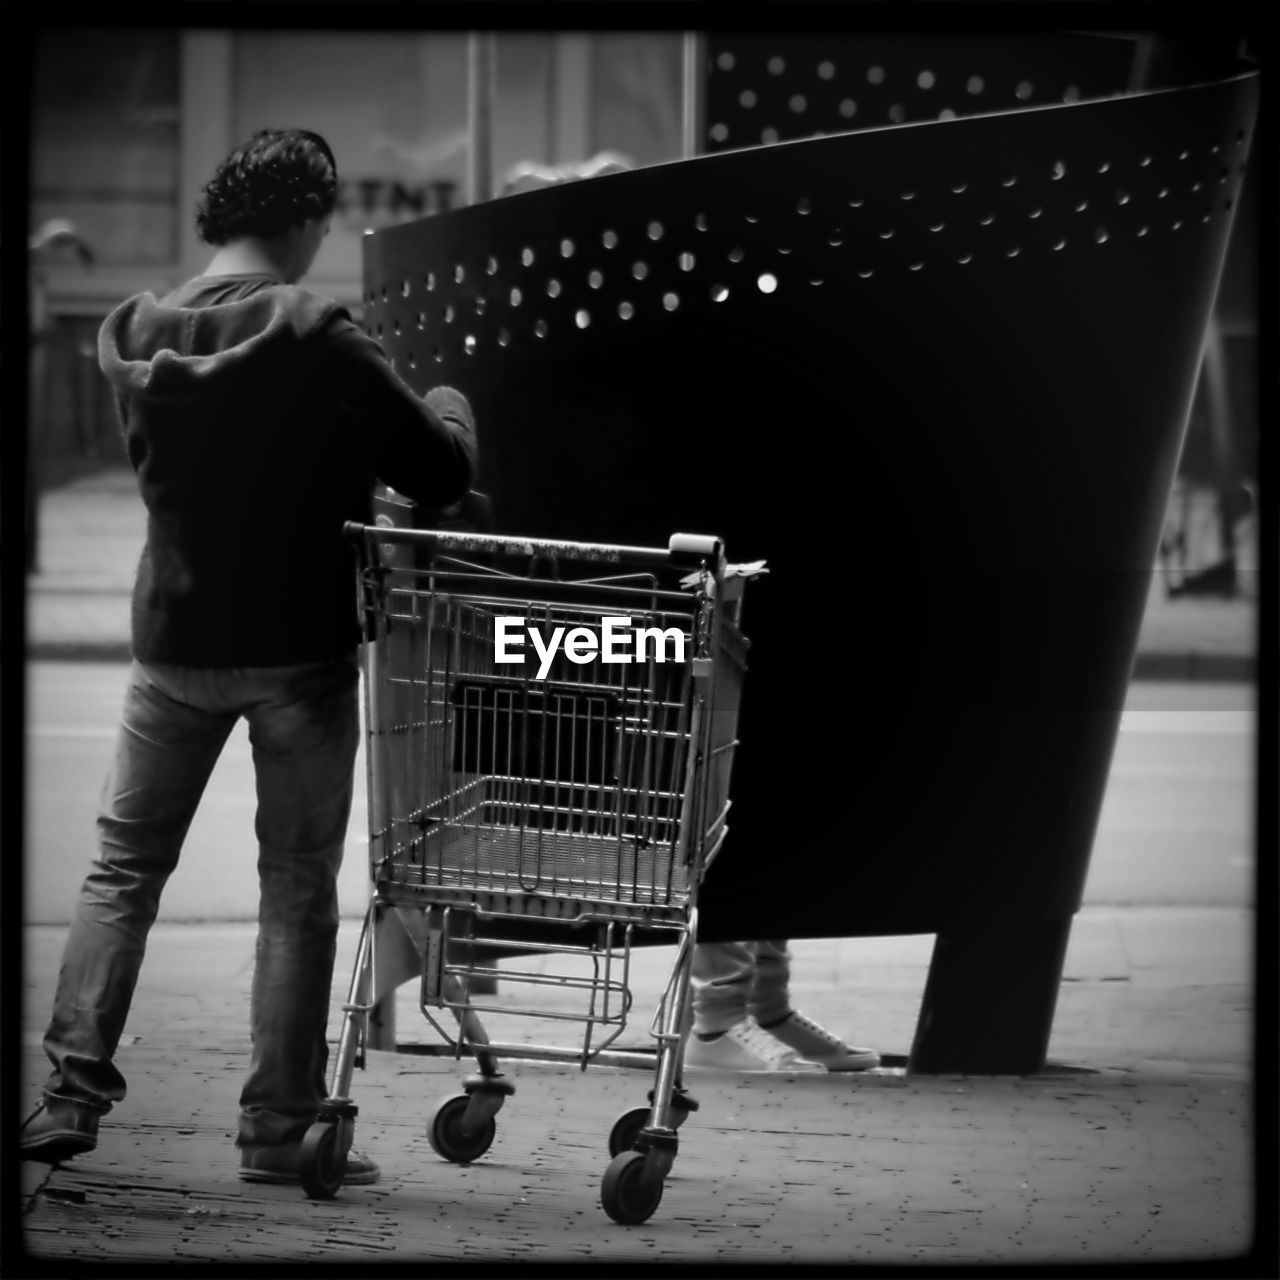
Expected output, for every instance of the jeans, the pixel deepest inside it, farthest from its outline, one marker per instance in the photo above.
(733, 979)
(304, 730)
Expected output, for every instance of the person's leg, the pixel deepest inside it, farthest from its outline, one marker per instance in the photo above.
(165, 752)
(721, 980)
(770, 999)
(772, 1011)
(723, 975)
(304, 727)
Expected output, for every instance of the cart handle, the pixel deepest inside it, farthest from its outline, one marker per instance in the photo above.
(682, 548)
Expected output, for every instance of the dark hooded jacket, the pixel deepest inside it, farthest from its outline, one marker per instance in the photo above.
(258, 418)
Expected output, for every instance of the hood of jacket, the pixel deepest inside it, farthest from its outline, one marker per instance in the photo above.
(161, 350)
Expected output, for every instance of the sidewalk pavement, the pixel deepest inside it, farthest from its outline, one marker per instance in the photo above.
(91, 533)
(1135, 1146)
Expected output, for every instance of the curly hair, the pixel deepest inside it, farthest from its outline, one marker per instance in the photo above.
(276, 180)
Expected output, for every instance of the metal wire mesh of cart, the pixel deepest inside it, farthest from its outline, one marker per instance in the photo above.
(555, 773)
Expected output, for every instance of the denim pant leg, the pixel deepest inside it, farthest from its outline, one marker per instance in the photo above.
(721, 983)
(770, 999)
(304, 731)
(165, 753)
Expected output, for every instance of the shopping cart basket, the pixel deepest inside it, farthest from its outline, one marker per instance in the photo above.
(551, 729)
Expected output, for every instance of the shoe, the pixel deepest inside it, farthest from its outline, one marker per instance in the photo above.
(57, 1130)
(816, 1044)
(280, 1165)
(743, 1047)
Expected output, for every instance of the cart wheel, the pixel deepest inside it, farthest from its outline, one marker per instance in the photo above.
(446, 1135)
(630, 1191)
(321, 1162)
(626, 1128)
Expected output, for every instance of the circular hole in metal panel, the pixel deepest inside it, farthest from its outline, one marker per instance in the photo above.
(516, 297)
(769, 136)
(459, 273)
(926, 79)
(404, 289)
(975, 84)
(804, 205)
(655, 231)
(671, 301)
(848, 108)
(566, 248)
(686, 262)
(767, 282)
(469, 344)
(491, 265)
(582, 318)
(736, 254)
(1059, 171)
(725, 62)
(826, 70)
(700, 222)
(798, 103)
(1024, 90)
(503, 337)
(719, 292)
(626, 310)
(553, 288)
(639, 270)
(719, 133)
(526, 256)
(897, 113)
(776, 65)
(609, 239)
(875, 75)
(747, 98)
(595, 279)
(541, 328)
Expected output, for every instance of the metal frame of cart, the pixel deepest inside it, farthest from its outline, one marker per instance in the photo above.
(550, 808)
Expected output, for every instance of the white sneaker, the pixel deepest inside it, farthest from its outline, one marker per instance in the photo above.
(814, 1043)
(744, 1047)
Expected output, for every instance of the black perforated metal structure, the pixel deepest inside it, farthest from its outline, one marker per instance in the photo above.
(763, 88)
(938, 376)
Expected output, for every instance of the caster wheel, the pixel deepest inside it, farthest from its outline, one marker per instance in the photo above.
(630, 1192)
(626, 1128)
(321, 1162)
(446, 1135)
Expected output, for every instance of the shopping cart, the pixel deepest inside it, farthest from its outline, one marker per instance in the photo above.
(559, 807)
